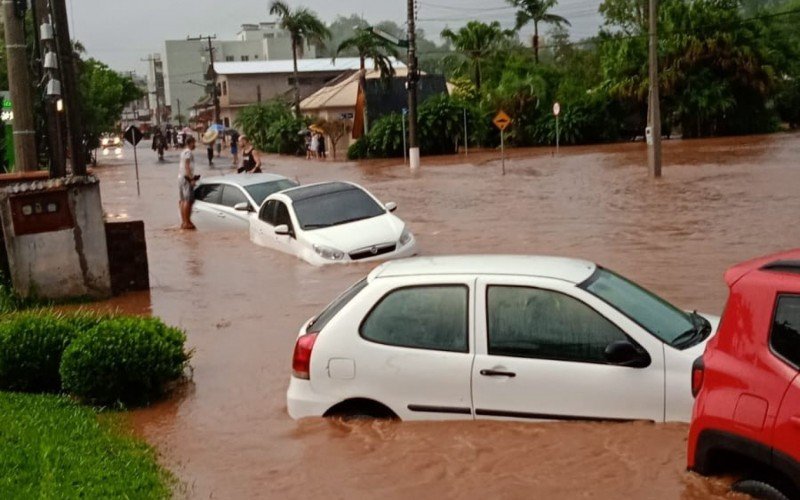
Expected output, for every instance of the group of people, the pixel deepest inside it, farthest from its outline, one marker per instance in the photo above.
(187, 179)
(162, 141)
(315, 145)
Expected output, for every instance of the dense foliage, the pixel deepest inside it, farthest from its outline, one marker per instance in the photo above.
(727, 67)
(103, 95)
(51, 447)
(102, 359)
(31, 345)
(440, 130)
(123, 359)
(272, 127)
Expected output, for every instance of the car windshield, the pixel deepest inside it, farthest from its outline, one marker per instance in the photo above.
(333, 209)
(259, 192)
(653, 313)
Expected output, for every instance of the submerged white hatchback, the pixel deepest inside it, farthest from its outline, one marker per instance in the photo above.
(497, 337)
(331, 222)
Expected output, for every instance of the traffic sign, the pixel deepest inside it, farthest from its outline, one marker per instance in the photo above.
(556, 109)
(502, 120)
(133, 135)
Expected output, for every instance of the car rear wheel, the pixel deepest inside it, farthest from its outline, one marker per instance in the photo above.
(758, 489)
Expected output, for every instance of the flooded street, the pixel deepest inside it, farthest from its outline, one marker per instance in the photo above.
(227, 434)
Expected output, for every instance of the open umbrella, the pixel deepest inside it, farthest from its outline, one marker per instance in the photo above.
(210, 136)
(218, 127)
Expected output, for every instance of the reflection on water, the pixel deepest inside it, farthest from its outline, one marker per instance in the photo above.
(228, 436)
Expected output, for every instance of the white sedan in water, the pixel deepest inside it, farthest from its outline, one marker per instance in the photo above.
(228, 202)
(498, 337)
(331, 222)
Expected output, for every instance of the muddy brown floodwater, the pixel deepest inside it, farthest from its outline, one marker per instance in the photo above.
(227, 435)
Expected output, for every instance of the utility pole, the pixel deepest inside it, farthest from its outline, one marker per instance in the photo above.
(215, 90)
(180, 125)
(413, 78)
(19, 82)
(654, 111)
(69, 85)
(46, 50)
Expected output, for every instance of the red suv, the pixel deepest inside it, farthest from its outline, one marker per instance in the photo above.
(746, 418)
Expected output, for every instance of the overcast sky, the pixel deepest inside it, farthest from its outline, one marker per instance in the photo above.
(121, 32)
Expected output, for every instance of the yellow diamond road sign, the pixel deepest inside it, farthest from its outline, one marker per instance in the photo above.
(502, 120)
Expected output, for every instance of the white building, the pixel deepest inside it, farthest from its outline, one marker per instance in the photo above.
(186, 62)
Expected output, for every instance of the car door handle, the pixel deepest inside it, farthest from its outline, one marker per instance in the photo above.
(497, 373)
(221, 215)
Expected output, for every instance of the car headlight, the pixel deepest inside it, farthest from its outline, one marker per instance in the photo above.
(406, 237)
(105, 142)
(116, 140)
(328, 252)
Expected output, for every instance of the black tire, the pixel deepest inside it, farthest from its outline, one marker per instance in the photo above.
(758, 489)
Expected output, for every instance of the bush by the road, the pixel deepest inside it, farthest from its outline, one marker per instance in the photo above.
(31, 345)
(52, 448)
(125, 360)
(273, 128)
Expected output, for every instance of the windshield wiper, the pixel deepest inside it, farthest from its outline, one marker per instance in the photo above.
(315, 226)
(354, 219)
(699, 331)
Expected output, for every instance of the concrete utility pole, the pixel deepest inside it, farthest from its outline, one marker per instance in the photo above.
(215, 90)
(413, 78)
(654, 112)
(69, 85)
(58, 163)
(158, 85)
(19, 82)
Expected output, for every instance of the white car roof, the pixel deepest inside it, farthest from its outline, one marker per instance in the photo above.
(242, 179)
(562, 268)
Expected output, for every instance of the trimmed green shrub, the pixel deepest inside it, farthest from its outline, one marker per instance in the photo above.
(31, 347)
(126, 360)
(359, 149)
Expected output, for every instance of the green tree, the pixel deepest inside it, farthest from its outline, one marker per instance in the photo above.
(304, 27)
(104, 93)
(474, 44)
(367, 45)
(537, 11)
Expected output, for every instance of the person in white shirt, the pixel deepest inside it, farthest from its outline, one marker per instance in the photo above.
(186, 181)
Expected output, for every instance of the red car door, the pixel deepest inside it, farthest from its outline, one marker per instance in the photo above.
(787, 425)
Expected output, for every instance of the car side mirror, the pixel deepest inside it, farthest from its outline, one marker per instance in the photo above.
(624, 353)
(283, 230)
(243, 207)
(391, 206)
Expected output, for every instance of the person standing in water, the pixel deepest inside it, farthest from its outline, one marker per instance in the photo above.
(186, 182)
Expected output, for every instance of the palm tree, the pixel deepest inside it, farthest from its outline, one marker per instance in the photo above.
(536, 11)
(474, 43)
(303, 26)
(369, 46)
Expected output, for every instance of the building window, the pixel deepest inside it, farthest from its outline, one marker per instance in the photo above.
(227, 122)
(245, 58)
(224, 88)
(228, 58)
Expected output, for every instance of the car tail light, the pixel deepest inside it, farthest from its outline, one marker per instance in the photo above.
(301, 361)
(698, 373)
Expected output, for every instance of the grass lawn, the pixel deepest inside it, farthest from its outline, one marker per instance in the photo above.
(53, 448)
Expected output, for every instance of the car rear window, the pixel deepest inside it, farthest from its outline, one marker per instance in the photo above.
(785, 336)
(318, 323)
(423, 317)
(260, 192)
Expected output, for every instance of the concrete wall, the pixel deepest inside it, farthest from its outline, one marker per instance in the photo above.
(65, 263)
(242, 90)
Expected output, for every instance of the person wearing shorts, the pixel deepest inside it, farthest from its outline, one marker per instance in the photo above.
(186, 181)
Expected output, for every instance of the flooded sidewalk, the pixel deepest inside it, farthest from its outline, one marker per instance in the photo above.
(227, 434)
